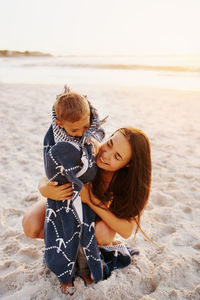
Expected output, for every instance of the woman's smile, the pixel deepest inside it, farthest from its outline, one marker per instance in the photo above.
(114, 153)
(101, 159)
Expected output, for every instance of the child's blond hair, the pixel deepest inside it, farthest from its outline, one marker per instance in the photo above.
(71, 107)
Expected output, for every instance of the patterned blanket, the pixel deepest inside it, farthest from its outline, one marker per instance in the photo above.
(70, 224)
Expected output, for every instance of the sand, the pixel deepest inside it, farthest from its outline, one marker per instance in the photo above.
(170, 118)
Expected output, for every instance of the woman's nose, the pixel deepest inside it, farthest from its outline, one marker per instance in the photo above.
(107, 154)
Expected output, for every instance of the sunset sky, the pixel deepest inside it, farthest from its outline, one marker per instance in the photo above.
(101, 26)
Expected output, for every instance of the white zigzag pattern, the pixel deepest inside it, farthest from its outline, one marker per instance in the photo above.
(66, 170)
(53, 223)
(60, 135)
(68, 271)
(75, 216)
(85, 224)
(58, 238)
(60, 251)
(50, 211)
(54, 228)
(51, 179)
(51, 155)
(67, 242)
(69, 209)
(90, 242)
(94, 258)
(91, 225)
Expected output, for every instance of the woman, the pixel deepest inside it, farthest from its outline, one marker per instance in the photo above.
(118, 194)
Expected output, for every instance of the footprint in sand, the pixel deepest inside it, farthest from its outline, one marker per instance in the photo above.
(7, 267)
(31, 197)
(187, 209)
(11, 213)
(166, 230)
(187, 212)
(11, 248)
(28, 254)
(196, 263)
(149, 286)
(196, 246)
(163, 231)
(149, 206)
(161, 199)
(12, 281)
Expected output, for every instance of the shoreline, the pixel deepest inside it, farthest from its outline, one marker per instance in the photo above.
(107, 86)
(15, 53)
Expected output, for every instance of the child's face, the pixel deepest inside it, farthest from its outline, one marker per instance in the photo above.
(76, 129)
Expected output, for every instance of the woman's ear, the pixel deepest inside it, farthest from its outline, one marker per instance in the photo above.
(59, 123)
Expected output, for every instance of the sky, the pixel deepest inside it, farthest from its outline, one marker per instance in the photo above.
(101, 27)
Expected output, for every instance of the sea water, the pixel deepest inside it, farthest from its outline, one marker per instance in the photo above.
(173, 72)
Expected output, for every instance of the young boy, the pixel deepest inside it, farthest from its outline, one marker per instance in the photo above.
(69, 157)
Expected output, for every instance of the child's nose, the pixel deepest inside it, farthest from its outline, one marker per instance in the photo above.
(79, 134)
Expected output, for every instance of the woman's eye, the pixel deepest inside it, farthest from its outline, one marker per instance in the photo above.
(108, 144)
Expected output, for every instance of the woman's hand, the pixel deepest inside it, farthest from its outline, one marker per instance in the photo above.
(85, 195)
(50, 189)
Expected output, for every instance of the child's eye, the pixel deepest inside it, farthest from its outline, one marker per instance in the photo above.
(116, 157)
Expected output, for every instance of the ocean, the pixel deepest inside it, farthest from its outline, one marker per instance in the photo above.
(172, 72)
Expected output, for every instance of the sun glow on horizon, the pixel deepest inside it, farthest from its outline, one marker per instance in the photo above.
(91, 27)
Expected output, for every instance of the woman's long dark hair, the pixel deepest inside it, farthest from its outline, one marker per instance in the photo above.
(130, 186)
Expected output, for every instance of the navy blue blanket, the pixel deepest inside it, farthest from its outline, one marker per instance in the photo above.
(70, 224)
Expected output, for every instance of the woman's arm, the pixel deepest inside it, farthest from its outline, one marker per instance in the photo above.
(121, 226)
(49, 189)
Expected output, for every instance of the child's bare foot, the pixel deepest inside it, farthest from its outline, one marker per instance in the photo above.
(68, 288)
(87, 279)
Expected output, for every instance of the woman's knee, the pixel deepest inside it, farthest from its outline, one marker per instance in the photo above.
(104, 234)
(31, 227)
(33, 220)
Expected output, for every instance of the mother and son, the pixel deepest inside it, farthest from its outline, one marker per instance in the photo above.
(94, 190)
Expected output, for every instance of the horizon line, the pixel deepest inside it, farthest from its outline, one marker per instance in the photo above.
(38, 52)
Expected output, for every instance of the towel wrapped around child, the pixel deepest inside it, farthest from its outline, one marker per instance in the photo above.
(69, 224)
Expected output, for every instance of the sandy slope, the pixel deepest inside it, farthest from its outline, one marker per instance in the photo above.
(172, 218)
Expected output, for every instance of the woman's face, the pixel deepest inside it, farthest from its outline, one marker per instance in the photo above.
(115, 153)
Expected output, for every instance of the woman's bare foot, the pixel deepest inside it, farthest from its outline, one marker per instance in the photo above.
(68, 288)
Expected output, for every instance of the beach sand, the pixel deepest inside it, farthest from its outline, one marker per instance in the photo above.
(170, 118)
